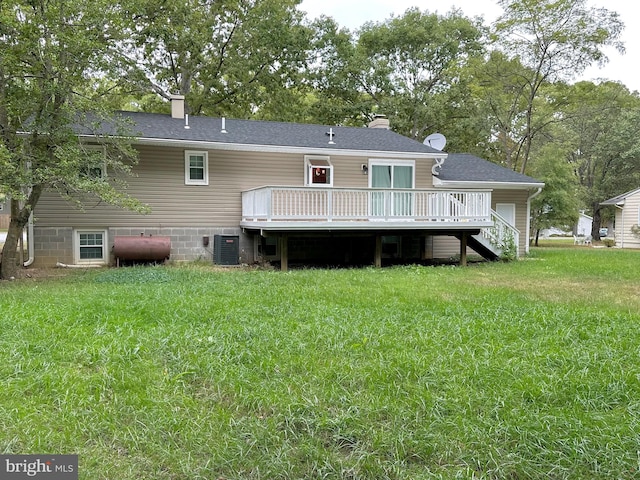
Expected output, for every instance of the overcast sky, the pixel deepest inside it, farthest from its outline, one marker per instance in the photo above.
(353, 13)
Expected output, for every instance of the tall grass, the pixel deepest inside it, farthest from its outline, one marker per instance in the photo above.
(521, 370)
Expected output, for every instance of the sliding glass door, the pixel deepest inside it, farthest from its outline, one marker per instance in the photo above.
(392, 175)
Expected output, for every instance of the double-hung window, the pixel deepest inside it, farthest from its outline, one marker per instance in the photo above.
(95, 167)
(196, 168)
(91, 246)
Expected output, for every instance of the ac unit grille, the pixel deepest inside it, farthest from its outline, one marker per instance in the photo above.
(226, 249)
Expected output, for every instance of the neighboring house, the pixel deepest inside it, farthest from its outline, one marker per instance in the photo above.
(627, 218)
(5, 217)
(294, 193)
(584, 225)
(582, 228)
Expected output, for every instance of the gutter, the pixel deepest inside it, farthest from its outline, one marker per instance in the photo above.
(437, 182)
(243, 147)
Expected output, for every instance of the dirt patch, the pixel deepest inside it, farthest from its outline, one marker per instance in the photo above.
(43, 273)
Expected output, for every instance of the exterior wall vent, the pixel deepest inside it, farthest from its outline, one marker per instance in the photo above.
(226, 249)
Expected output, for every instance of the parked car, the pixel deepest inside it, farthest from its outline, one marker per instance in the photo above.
(603, 232)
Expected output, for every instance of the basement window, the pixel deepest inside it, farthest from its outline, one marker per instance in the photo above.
(90, 246)
(196, 168)
(318, 171)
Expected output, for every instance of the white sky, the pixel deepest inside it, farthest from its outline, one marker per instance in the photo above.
(353, 13)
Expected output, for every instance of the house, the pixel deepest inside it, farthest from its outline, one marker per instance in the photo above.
(584, 226)
(627, 218)
(4, 213)
(248, 191)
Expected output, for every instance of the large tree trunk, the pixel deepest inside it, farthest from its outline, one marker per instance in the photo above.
(10, 257)
(19, 219)
(595, 226)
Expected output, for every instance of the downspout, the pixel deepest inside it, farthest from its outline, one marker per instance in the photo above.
(528, 232)
(30, 232)
(30, 247)
(622, 222)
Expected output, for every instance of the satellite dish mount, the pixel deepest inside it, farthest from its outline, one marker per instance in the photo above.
(437, 141)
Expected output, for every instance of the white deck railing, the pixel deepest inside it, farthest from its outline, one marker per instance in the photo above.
(267, 204)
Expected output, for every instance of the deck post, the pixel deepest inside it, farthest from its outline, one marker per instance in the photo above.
(463, 249)
(377, 262)
(284, 252)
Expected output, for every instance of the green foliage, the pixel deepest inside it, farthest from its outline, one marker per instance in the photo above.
(408, 68)
(601, 123)
(405, 373)
(554, 40)
(509, 248)
(227, 58)
(559, 202)
(49, 51)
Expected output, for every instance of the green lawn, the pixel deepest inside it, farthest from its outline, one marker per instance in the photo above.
(521, 370)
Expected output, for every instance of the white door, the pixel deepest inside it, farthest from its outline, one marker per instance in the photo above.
(508, 212)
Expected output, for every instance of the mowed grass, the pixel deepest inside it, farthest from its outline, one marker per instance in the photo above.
(522, 370)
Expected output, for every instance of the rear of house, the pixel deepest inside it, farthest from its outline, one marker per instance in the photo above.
(293, 193)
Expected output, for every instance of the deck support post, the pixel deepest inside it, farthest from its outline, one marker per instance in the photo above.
(284, 252)
(377, 262)
(463, 249)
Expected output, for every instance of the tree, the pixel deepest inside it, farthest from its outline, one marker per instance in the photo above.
(413, 65)
(604, 123)
(226, 58)
(409, 68)
(559, 202)
(51, 50)
(556, 40)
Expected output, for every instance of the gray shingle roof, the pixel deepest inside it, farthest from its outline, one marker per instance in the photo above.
(464, 167)
(254, 132)
(620, 198)
(458, 167)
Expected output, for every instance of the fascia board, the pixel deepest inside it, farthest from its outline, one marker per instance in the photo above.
(161, 142)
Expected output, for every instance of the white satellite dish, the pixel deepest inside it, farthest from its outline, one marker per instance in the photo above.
(436, 140)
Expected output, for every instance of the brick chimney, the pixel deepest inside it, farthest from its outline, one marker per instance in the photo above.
(177, 106)
(379, 121)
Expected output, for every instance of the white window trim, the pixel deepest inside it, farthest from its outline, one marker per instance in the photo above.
(76, 247)
(308, 165)
(383, 162)
(187, 165)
